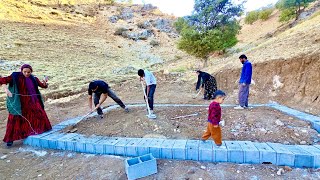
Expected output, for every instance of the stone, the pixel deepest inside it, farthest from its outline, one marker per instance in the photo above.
(303, 142)
(191, 171)
(3, 157)
(287, 168)
(203, 167)
(280, 171)
(296, 134)
(279, 123)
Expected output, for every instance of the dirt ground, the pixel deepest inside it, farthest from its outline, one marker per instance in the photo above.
(23, 162)
(257, 124)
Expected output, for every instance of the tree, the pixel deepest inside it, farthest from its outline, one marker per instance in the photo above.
(291, 8)
(212, 27)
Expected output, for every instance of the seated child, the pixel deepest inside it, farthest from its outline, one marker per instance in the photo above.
(214, 118)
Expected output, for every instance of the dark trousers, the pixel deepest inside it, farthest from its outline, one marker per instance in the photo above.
(110, 94)
(244, 95)
(151, 95)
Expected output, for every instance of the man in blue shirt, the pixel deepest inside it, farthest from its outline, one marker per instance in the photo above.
(244, 83)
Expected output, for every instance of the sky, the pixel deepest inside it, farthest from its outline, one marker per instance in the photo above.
(185, 7)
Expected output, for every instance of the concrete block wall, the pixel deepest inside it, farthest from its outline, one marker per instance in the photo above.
(230, 151)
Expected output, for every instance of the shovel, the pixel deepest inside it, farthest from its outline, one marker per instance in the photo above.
(150, 116)
(197, 94)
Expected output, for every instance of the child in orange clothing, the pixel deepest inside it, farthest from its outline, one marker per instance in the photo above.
(214, 118)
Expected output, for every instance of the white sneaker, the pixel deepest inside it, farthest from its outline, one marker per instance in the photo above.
(239, 107)
(151, 112)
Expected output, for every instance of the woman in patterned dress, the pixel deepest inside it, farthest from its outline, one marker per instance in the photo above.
(207, 82)
(24, 103)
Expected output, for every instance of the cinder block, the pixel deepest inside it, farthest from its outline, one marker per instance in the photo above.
(132, 147)
(86, 144)
(155, 147)
(144, 146)
(179, 149)
(71, 142)
(235, 152)
(166, 149)
(62, 141)
(206, 151)
(51, 140)
(192, 150)
(34, 140)
(250, 152)
(106, 145)
(284, 156)
(266, 153)
(141, 166)
(302, 157)
(316, 126)
(220, 153)
(315, 152)
(120, 146)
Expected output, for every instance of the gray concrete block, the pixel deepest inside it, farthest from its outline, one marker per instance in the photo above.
(106, 145)
(34, 140)
(192, 147)
(220, 153)
(266, 153)
(140, 167)
(155, 147)
(132, 147)
(302, 157)
(179, 149)
(315, 152)
(62, 142)
(206, 151)
(250, 152)
(120, 146)
(284, 156)
(144, 146)
(235, 152)
(51, 141)
(86, 144)
(166, 149)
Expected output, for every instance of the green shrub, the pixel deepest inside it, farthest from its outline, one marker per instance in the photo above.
(287, 14)
(180, 24)
(265, 14)
(251, 17)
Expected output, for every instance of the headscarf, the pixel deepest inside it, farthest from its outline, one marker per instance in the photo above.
(26, 66)
(29, 84)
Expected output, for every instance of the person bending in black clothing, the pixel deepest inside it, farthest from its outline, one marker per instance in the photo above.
(207, 82)
(101, 91)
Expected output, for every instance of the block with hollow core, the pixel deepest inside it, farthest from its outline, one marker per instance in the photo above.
(51, 141)
(284, 156)
(132, 147)
(315, 152)
(155, 147)
(63, 141)
(34, 140)
(192, 147)
(235, 152)
(266, 153)
(220, 153)
(140, 167)
(250, 152)
(106, 145)
(86, 144)
(302, 158)
(179, 149)
(120, 146)
(206, 152)
(166, 149)
(144, 146)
